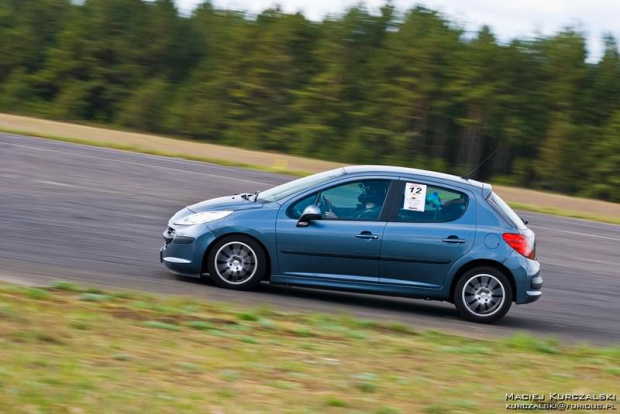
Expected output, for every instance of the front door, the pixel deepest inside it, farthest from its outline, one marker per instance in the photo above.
(345, 244)
(425, 236)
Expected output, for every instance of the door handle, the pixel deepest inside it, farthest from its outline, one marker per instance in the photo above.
(366, 235)
(453, 240)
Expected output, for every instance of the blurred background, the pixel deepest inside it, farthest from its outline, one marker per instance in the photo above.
(389, 84)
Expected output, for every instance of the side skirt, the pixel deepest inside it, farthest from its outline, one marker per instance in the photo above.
(361, 287)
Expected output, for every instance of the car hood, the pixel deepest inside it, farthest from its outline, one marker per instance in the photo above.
(224, 203)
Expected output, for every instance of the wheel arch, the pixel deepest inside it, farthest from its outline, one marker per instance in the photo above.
(479, 263)
(204, 268)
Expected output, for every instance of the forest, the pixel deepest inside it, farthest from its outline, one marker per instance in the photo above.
(404, 87)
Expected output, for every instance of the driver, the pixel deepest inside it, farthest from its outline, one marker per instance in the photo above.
(371, 199)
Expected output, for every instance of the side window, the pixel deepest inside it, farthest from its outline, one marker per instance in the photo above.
(296, 209)
(359, 200)
(420, 203)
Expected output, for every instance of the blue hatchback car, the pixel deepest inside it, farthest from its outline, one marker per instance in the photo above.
(373, 229)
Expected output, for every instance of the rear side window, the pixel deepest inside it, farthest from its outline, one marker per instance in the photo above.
(506, 212)
(420, 203)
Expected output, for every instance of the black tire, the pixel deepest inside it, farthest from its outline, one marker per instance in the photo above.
(477, 295)
(237, 262)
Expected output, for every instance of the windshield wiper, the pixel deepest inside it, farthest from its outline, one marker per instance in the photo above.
(256, 193)
(245, 196)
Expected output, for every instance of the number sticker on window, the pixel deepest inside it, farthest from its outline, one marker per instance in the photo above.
(415, 197)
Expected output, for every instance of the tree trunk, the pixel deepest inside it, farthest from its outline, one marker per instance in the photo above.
(469, 148)
(502, 159)
(439, 138)
(473, 155)
(418, 135)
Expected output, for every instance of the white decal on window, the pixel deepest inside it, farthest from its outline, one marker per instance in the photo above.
(415, 197)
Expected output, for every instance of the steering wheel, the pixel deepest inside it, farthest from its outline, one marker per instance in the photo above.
(329, 210)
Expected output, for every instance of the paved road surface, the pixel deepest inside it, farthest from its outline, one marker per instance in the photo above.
(91, 215)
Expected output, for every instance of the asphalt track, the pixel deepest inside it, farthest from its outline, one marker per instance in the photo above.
(95, 216)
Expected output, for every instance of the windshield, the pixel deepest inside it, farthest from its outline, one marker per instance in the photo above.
(285, 190)
(507, 212)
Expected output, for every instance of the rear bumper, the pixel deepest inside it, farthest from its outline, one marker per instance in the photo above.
(183, 254)
(532, 296)
(535, 291)
(537, 282)
(528, 279)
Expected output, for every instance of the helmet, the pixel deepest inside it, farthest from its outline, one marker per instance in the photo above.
(372, 192)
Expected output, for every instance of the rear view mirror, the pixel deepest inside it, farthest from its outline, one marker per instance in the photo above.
(312, 212)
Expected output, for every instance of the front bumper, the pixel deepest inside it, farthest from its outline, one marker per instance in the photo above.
(184, 249)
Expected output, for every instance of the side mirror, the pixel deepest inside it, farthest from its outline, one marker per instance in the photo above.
(312, 212)
(524, 220)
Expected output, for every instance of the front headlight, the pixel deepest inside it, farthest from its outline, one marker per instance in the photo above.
(201, 218)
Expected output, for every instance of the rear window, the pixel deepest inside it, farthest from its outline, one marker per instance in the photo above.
(436, 205)
(506, 212)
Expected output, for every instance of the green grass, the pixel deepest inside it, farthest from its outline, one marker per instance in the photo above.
(134, 353)
(565, 213)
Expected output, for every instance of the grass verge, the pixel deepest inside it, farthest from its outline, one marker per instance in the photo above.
(72, 350)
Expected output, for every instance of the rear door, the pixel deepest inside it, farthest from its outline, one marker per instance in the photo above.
(430, 227)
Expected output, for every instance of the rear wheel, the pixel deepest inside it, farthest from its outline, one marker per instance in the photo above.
(483, 295)
(237, 262)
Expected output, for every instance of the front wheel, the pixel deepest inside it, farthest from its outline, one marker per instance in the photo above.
(237, 262)
(483, 295)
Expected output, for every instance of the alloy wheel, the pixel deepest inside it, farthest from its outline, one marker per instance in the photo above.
(235, 262)
(483, 295)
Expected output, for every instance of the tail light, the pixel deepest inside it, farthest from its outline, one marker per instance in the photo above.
(522, 243)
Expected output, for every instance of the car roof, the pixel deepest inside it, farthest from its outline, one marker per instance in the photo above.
(361, 169)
